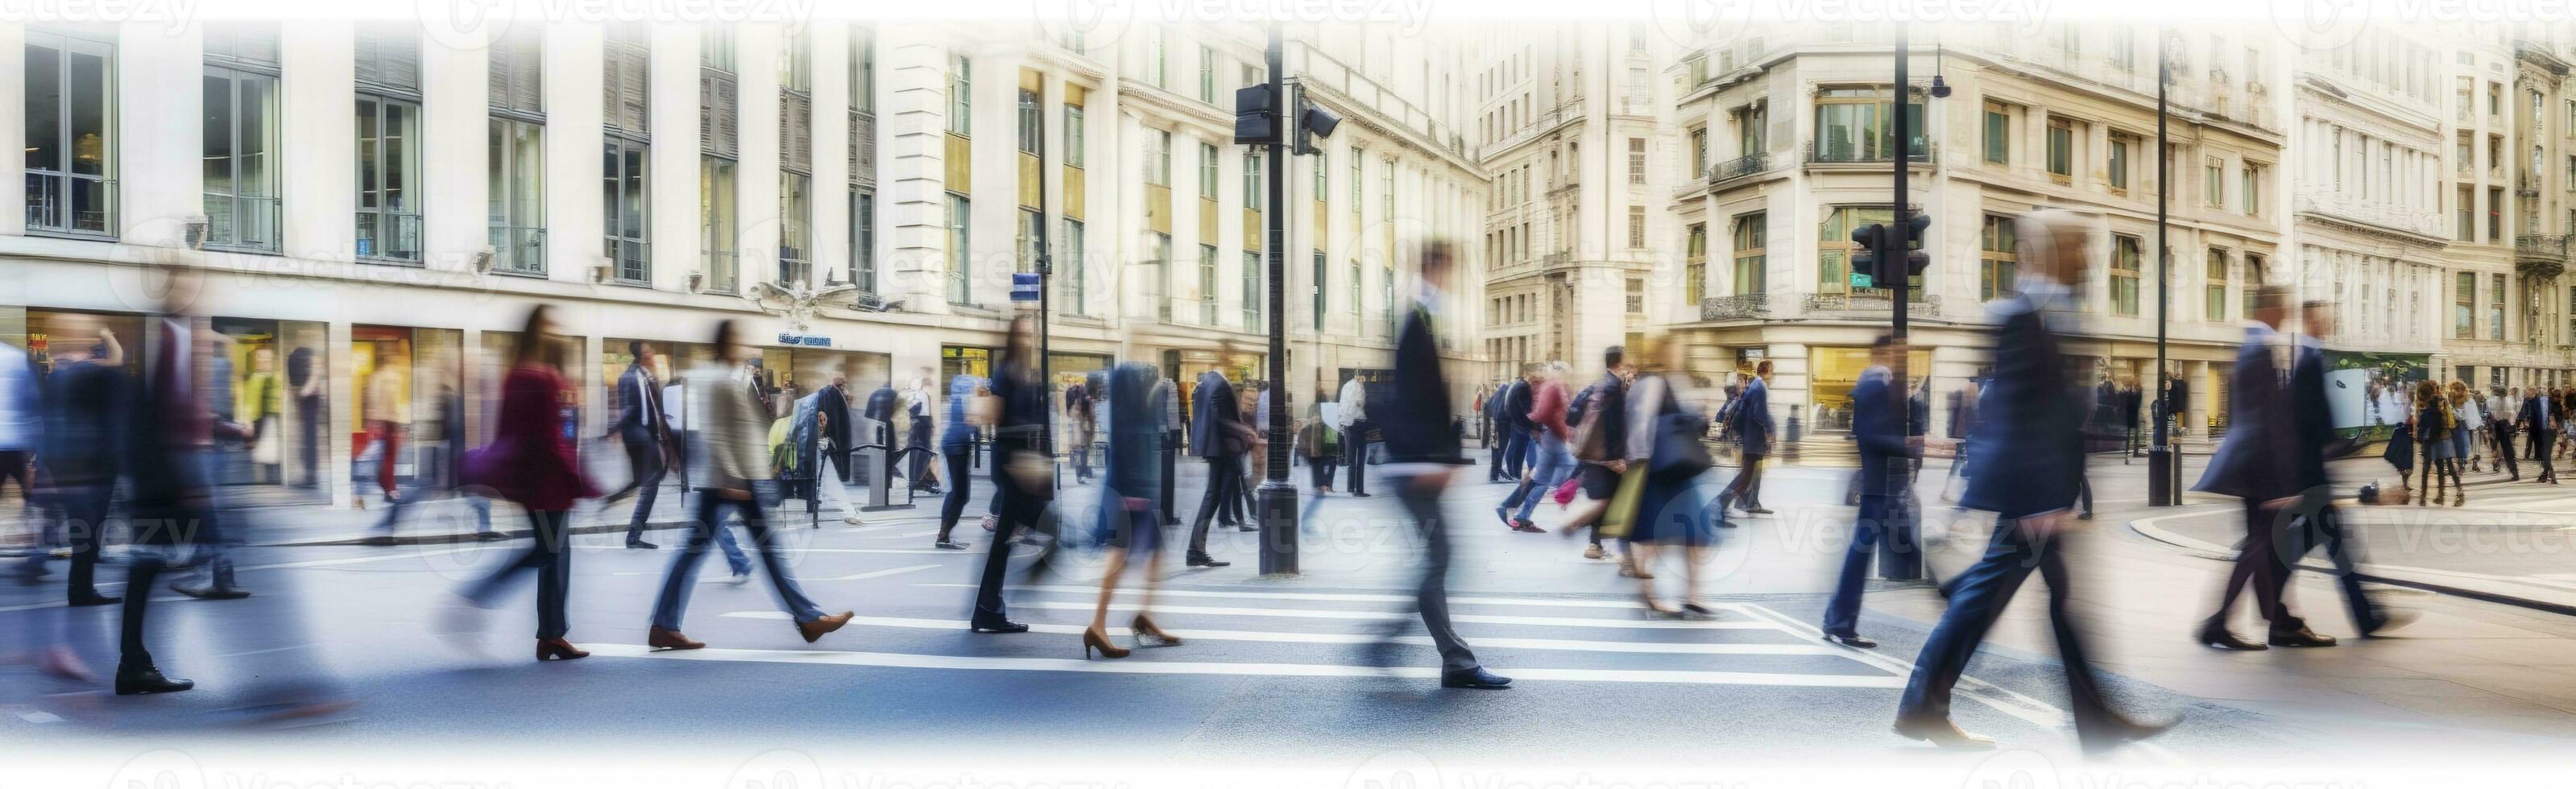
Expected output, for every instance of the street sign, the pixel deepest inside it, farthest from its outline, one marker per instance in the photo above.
(814, 340)
(1859, 280)
(1024, 286)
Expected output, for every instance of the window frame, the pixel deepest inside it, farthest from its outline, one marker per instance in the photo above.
(64, 177)
(221, 234)
(960, 222)
(614, 151)
(1750, 239)
(389, 201)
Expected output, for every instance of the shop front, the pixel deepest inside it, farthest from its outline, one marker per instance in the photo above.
(956, 360)
(407, 381)
(1832, 373)
(271, 376)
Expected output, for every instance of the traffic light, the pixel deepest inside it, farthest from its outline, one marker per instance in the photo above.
(1877, 243)
(1254, 111)
(1312, 121)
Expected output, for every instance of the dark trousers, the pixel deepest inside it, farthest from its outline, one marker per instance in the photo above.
(2539, 444)
(2260, 564)
(1977, 598)
(549, 555)
(1355, 454)
(683, 573)
(2500, 434)
(1431, 592)
(84, 512)
(2084, 495)
(1081, 454)
(1746, 488)
(1516, 454)
(1319, 471)
(1014, 511)
(2322, 526)
(957, 456)
(1494, 451)
(1842, 613)
(1171, 463)
(1225, 472)
(308, 439)
(644, 455)
(141, 568)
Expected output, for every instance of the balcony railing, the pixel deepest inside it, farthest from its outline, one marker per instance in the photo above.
(389, 236)
(630, 260)
(795, 271)
(248, 222)
(1853, 153)
(2544, 255)
(1555, 259)
(1739, 167)
(1724, 308)
(1922, 305)
(519, 250)
(65, 203)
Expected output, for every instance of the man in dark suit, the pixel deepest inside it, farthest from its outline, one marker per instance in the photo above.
(1217, 434)
(1515, 413)
(2030, 463)
(1422, 453)
(1886, 445)
(77, 451)
(2262, 461)
(167, 436)
(1498, 436)
(642, 425)
(2539, 429)
(1753, 426)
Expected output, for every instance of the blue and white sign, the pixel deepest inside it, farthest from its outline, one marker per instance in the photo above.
(814, 340)
(1024, 286)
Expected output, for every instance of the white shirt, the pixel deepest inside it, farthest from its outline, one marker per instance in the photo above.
(1354, 405)
(18, 423)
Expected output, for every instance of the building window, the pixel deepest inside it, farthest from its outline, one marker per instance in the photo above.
(863, 240)
(961, 273)
(515, 176)
(2464, 306)
(1253, 302)
(1998, 132)
(1207, 284)
(1323, 170)
(1207, 171)
(1075, 138)
(2251, 179)
(1636, 296)
(2252, 284)
(1207, 75)
(2464, 214)
(2213, 182)
(1073, 251)
(1032, 226)
(1752, 259)
(2495, 306)
(388, 164)
(1750, 135)
(1998, 266)
(240, 138)
(1636, 160)
(716, 211)
(961, 95)
(1252, 181)
(71, 142)
(2061, 148)
(863, 68)
(2124, 275)
(2118, 167)
(2495, 214)
(1386, 192)
(1699, 152)
(1031, 128)
(796, 230)
(1358, 171)
(1859, 125)
(1321, 287)
(1162, 277)
(624, 202)
(1158, 161)
(1695, 265)
(2213, 303)
(1636, 227)
(1355, 290)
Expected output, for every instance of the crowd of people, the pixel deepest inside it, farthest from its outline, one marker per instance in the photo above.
(2449, 428)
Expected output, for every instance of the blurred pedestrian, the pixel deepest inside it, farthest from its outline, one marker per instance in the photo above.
(731, 426)
(383, 415)
(1422, 455)
(2261, 461)
(2499, 407)
(957, 452)
(440, 475)
(2030, 462)
(1552, 459)
(1350, 416)
(1078, 427)
(920, 403)
(1217, 433)
(1887, 442)
(167, 441)
(77, 456)
(1513, 414)
(1600, 421)
(1663, 444)
(1023, 474)
(2433, 427)
(1132, 528)
(1754, 428)
(532, 462)
(2539, 425)
(642, 427)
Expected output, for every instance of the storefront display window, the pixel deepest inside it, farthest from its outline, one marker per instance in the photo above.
(1832, 374)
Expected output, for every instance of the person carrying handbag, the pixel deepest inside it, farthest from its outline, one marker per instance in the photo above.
(1663, 445)
(1598, 437)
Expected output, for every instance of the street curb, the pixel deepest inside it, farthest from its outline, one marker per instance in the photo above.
(2454, 584)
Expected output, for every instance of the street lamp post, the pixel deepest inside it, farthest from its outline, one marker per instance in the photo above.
(2162, 466)
(1276, 499)
(1898, 560)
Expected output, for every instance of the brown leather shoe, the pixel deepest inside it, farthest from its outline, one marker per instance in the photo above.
(658, 638)
(814, 630)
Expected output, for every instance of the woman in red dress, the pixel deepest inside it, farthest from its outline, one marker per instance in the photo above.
(531, 462)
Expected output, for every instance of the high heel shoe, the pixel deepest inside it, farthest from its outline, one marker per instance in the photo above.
(1147, 635)
(558, 649)
(1093, 639)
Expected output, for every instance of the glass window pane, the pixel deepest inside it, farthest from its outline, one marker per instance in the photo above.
(44, 108)
(217, 132)
(367, 160)
(258, 112)
(88, 111)
(399, 137)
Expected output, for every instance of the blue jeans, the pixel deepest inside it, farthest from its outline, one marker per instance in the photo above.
(1551, 463)
(683, 575)
(1516, 453)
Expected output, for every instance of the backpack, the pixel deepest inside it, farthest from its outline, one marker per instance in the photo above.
(1574, 410)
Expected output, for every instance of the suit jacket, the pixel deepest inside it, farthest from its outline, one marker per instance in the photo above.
(1878, 430)
(2535, 418)
(165, 436)
(2028, 455)
(1516, 405)
(1215, 419)
(639, 411)
(84, 404)
(2258, 459)
(1752, 418)
(1416, 424)
(732, 448)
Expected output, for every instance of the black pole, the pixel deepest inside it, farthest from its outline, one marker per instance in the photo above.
(1045, 267)
(2162, 467)
(1897, 558)
(1277, 497)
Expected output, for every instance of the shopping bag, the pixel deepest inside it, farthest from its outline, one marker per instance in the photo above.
(1622, 514)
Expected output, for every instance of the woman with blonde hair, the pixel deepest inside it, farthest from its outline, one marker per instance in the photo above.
(2433, 429)
(2464, 413)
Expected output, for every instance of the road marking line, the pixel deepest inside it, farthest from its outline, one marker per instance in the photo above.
(1016, 552)
(1625, 605)
(1361, 638)
(984, 663)
(922, 533)
(1483, 619)
(883, 573)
